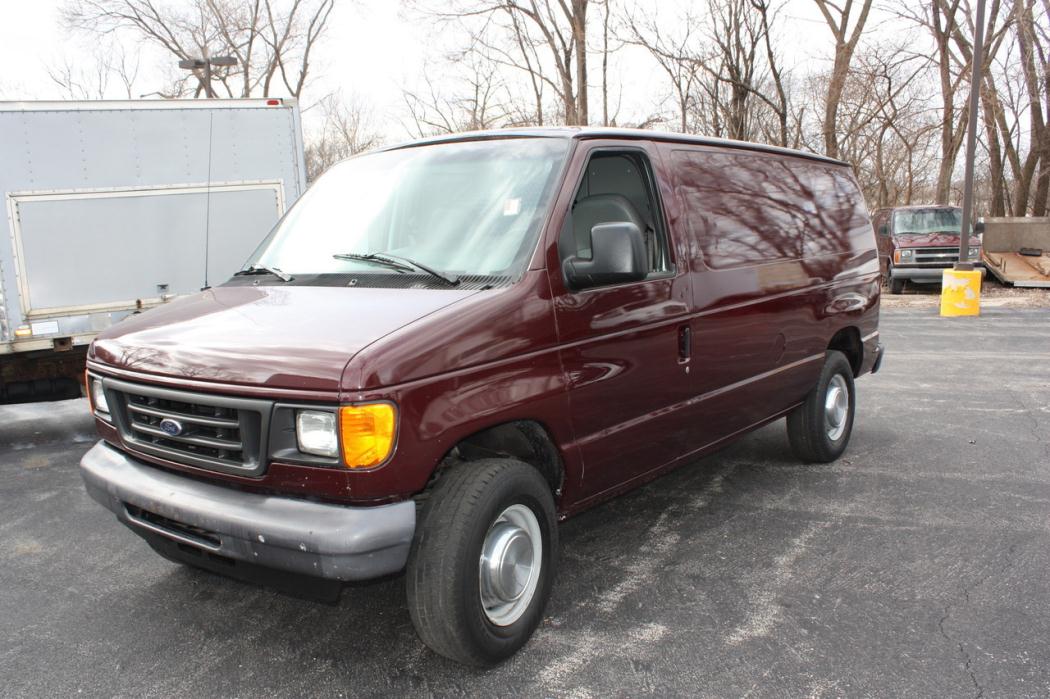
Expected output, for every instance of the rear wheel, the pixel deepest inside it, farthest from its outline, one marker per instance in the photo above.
(482, 560)
(820, 428)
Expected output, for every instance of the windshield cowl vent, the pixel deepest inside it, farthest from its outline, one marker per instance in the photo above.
(381, 280)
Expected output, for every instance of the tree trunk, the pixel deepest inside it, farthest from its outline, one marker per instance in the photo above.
(951, 133)
(831, 106)
(997, 201)
(579, 35)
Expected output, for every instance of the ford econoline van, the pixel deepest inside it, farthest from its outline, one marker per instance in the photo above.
(444, 348)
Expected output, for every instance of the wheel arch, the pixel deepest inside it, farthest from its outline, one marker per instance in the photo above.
(526, 440)
(847, 340)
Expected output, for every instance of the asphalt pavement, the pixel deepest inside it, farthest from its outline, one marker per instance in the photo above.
(916, 565)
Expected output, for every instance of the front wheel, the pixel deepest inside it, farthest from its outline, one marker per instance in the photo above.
(482, 560)
(896, 285)
(820, 428)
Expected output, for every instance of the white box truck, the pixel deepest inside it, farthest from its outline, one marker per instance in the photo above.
(116, 206)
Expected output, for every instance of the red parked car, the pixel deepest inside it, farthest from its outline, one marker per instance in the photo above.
(917, 243)
(444, 348)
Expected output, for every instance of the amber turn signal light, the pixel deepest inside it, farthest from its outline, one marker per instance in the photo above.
(87, 392)
(367, 433)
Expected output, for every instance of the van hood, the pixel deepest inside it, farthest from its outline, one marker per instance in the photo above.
(295, 337)
(931, 240)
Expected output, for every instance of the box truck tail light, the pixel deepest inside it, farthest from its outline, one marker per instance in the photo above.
(273, 103)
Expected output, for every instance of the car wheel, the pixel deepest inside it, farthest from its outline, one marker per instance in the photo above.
(896, 285)
(820, 428)
(482, 560)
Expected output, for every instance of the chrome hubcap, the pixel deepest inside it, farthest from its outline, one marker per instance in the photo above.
(509, 567)
(836, 407)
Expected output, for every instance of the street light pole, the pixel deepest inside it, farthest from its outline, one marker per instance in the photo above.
(206, 65)
(207, 76)
(964, 262)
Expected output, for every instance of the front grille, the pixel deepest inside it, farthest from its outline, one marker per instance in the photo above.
(214, 432)
(938, 256)
(207, 430)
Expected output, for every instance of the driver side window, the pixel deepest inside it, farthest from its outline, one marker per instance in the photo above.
(616, 188)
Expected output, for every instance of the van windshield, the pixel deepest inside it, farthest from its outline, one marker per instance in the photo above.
(460, 208)
(927, 221)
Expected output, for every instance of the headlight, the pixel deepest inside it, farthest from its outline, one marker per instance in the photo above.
(316, 433)
(98, 397)
(975, 253)
(367, 433)
(907, 254)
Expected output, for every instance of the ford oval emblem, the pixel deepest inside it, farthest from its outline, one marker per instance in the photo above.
(171, 427)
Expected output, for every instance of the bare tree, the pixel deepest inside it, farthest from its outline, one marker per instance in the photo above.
(606, 6)
(475, 100)
(885, 127)
(736, 38)
(1033, 37)
(838, 17)
(273, 40)
(942, 18)
(726, 78)
(345, 130)
(674, 53)
(779, 103)
(93, 79)
(545, 39)
(961, 31)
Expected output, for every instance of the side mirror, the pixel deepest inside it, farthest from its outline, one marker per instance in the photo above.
(978, 227)
(617, 256)
(884, 229)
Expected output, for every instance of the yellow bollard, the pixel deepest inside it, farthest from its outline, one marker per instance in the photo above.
(961, 292)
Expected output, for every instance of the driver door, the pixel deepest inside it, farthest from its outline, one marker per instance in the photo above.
(625, 347)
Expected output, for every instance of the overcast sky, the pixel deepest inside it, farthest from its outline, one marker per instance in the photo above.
(372, 52)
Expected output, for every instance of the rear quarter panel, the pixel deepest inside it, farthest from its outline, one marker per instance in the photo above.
(783, 256)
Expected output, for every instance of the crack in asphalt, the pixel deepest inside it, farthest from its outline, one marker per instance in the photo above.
(1037, 434)
(965, 655)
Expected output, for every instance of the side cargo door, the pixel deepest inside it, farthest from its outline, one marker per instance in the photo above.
(758, 338)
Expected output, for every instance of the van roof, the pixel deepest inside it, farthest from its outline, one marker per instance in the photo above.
(592, 132)
(905, 207)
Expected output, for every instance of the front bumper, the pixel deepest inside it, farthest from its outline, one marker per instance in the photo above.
(297, 536)
(930, 275)
(880, 352)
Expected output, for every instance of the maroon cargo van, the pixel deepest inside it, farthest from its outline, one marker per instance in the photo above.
(446, 347)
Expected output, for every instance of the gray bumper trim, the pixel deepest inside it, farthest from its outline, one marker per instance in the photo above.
(880, 352)
(310, 538)
(926, 274)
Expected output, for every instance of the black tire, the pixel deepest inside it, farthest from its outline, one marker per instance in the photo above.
(896, 286)
(443, 582)
(809, 427)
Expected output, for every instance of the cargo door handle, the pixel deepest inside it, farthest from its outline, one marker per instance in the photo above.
(685, 343)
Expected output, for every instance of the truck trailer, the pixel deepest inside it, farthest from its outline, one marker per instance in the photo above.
(1017, 250)
(114, 207)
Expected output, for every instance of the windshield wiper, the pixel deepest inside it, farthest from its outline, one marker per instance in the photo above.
(398, 262)
(259, 269)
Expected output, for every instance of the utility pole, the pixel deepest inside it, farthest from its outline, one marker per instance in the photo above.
(964, 262)
(961, 285)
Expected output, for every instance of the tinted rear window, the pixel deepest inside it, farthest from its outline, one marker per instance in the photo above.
(749, 208)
